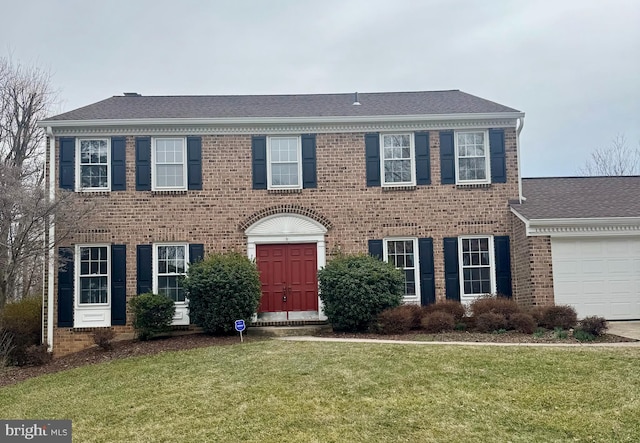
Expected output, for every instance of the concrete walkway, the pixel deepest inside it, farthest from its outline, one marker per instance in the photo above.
(629, 329)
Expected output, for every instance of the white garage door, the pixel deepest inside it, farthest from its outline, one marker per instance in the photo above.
(598, 276)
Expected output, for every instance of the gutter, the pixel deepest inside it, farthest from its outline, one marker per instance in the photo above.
(518, 131)
(52, 231)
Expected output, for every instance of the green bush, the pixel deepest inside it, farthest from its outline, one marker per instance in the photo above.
(455, 308)
(561, 316)
(438, 321)
(356, 288)
(593, 325)
(221, 289)
(22, 322)
(582, 335)
(152, 314)
(395, 320)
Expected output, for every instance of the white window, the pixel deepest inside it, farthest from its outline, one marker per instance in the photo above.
(169, 164)
(92, 167)
(403, 253)
(472, 157)
(93, 283)
(398, 159)
(284, 163)
(170, 268)
(477, 272)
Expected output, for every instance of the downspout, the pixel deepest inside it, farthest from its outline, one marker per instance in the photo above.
(518, 131)
(52, 231)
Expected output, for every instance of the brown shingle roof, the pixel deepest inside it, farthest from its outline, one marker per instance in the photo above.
(580, 197)
(311, 105)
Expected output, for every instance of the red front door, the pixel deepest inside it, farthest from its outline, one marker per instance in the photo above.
(288, 274)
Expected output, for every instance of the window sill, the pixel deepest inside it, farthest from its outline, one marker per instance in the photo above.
(174, 192)
(88, 328)
(284, 191)
(473, 185)
(399, 188)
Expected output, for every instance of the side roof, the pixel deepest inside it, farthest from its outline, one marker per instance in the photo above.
(579, 197)
(282, 106)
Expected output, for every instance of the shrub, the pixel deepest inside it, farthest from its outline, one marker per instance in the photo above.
(490, 321)
(582, 335)
(395, 320)
(221, 289)
(560, 316)
(537, 312)
(498, 305)
(522, 322)
(102, 337)
(593, 325)
(37, 355)
(558, 332)
(152, 314)
(438, 321)
(356, 288)
(456, 309)
(415, 312)
(22, 321)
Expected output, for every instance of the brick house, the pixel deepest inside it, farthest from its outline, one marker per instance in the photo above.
(422, 179)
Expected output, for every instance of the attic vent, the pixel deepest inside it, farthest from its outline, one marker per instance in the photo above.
(132, 94)
(355, 100)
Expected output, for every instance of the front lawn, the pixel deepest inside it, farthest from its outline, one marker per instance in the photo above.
(275, 391)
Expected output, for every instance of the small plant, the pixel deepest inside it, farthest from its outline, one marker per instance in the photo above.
(452, 307)
(103, 337)
(37, 355)
(522, 322)
(461, 326)
(395, 320)
(582, 335)
(593, 325)
(6, 346)
(539, 333)
(560, 333)
(438, 321)
(500, 331)
(561, 316)
(490, 321)
(152, 314)
(498, 305)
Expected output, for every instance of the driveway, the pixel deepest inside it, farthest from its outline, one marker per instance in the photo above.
(629, 329)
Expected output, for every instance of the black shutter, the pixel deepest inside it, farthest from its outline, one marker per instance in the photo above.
(259, 161)
(309, 161)
(118, 284)
(143, 164)
(427, 279)
(423, 161)
(503, 265)
(118, 164)
(196, 252)
(144, 269)
(194, 163)
(66, 279)
(498, 158)
(372, 157)
(447, 158)
(67, 163)
(375, 249)
(451, 271)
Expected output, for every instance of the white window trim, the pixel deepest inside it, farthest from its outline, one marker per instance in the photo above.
(93, 314)
(412, 146)
(467, 298)
(299, 148)
(155, 266)
(487, 157)
(154, 174)
(78, 185)
(416, 264)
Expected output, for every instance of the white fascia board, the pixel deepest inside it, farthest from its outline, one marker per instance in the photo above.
(585, 227)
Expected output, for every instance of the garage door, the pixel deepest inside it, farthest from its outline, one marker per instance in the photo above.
(598, 276)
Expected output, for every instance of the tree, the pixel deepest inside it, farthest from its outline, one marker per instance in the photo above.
(25, 207)
(615, 159)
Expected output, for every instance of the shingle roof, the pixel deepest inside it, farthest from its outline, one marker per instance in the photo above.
(580, 197)
(256, 106)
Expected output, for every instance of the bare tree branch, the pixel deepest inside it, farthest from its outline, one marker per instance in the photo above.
(613, 160)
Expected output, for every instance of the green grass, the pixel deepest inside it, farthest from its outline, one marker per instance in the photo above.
(276, 391)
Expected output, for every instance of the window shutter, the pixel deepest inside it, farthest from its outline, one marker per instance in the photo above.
(447, 158)
(427, 280)
(67, 163)
(503, 265)
(194, 163)
(423, 161)
(66, 273)
(375, 249)
(372, 154)
(143, 164)
(196, 252)
(451, 270)
(144, 269)
(259, 161)
(118, 164)
(498, 158)
(119, 284)
(309, 161)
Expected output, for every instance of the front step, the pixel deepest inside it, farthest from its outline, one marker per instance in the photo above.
(288, 330)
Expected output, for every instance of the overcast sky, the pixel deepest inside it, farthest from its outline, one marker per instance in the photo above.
(572, 66)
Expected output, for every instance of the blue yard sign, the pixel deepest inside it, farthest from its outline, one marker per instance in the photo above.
(240, 326)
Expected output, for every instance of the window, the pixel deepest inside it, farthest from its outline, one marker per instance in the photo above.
(472, 157)
(397, 159)
(93, 164)
(93, 275)
(170, 268)
(169, 162)
(476, 266)
(403, 254)
(284, 160)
